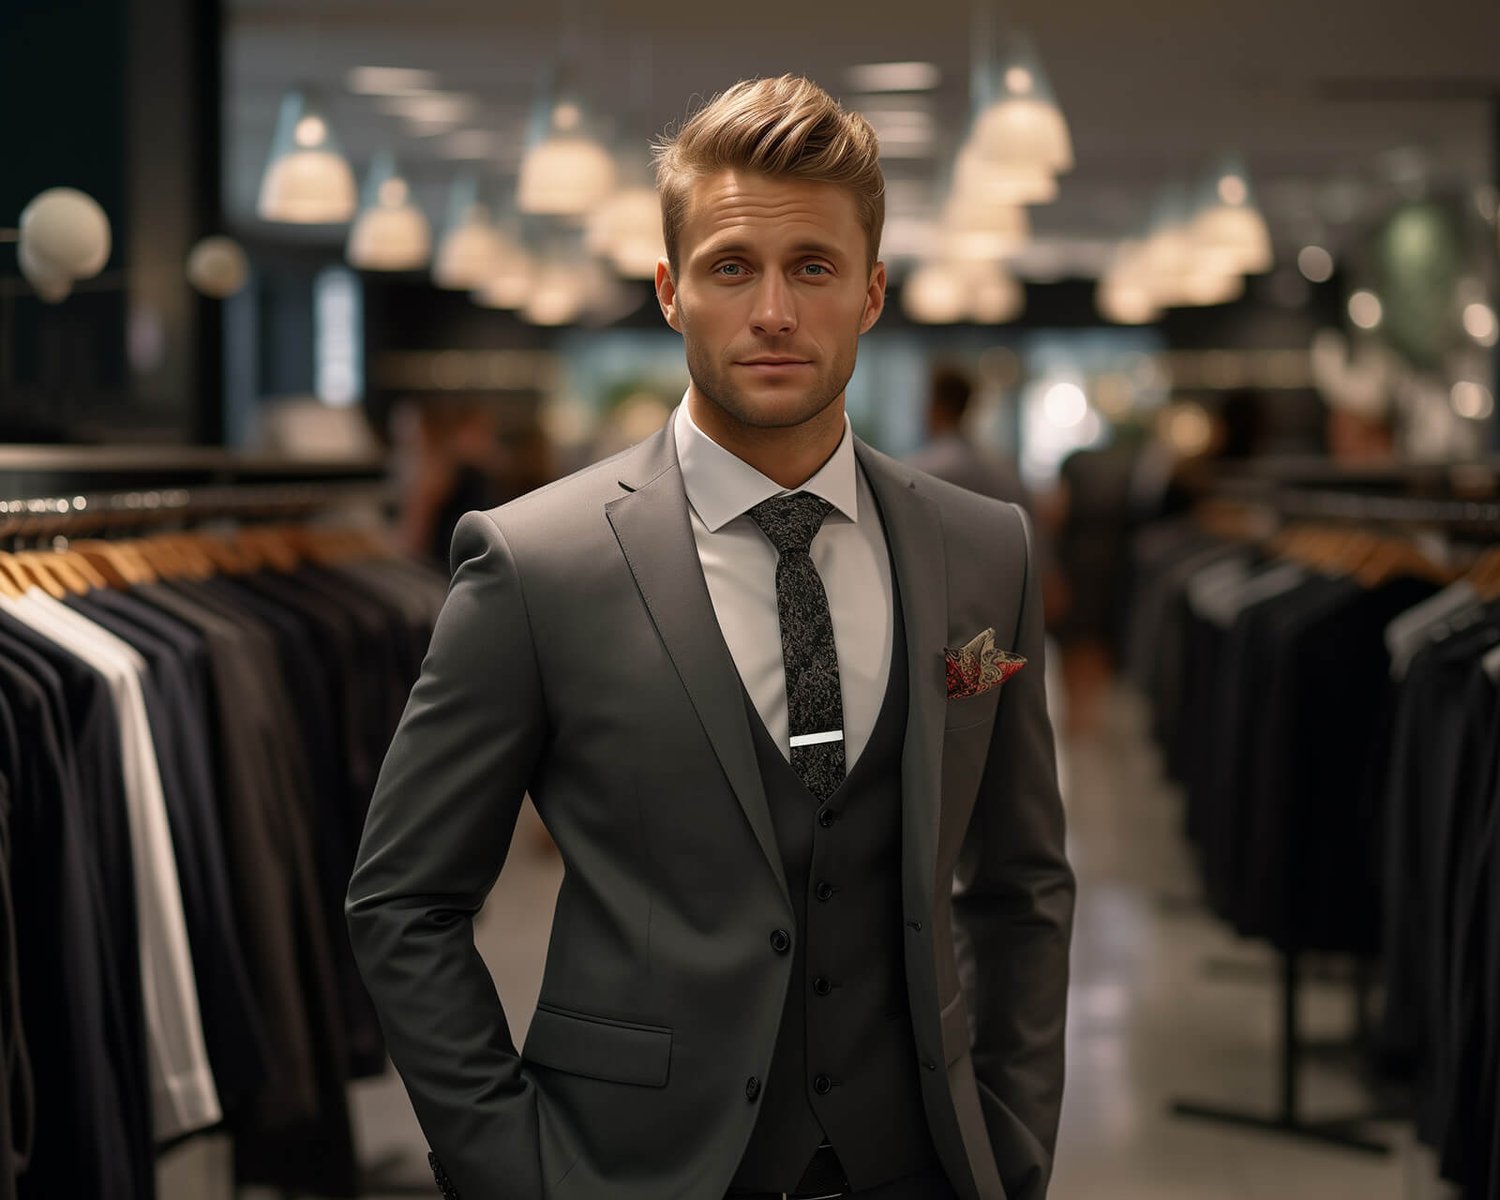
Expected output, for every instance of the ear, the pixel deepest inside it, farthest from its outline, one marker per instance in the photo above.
(874, 298)
(666, 294)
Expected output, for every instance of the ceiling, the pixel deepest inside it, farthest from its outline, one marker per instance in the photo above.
(1338, 106)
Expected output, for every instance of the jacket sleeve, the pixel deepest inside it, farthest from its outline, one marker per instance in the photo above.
(438, 829)
(1013, 913)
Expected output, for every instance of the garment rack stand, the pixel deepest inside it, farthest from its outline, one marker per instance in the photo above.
(1342, 1132)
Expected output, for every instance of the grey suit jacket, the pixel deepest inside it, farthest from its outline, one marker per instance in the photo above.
(578, 658)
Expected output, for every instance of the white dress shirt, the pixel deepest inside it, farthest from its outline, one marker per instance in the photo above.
(183, 1095)
(739, 566)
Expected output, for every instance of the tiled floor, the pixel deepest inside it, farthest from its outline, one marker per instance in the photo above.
(1148, 1022)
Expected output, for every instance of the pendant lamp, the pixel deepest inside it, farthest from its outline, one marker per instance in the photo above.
(984, 180)
(626, 230)
(995, 295)
(1228, 221)
(565, 173)
(1171, 264)
(1126, 302)
(510, 283)
(469, 248)
(976, 231)
(559, 294)
(936, 293)
(391, 233)
(307, 180)
(1018, 122)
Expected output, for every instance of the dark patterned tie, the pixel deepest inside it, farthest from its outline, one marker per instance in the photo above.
(815, 708)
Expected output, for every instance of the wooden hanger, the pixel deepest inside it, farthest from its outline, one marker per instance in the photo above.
(1302, 542)
(159, 560)
(121, 564)
(12, 582)
(1395, 557)
(270, 547)
(313, 544)
(375, 544)
(225, 558)
(173, 560)
(86, 569)
(48, 572)
(1484, 574)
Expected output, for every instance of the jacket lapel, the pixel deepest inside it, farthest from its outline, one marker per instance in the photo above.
(915, 533)
(655, 533)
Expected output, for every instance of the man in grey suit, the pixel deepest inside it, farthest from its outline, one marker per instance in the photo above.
(779, 700)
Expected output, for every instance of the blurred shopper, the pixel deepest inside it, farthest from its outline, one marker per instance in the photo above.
(1091, 516)
(812, 939)
(950, 453)
(455, 457)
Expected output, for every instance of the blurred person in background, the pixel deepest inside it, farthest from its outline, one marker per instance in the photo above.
(951, 453)
(1089, 517)
(812, 939)
(454, 456)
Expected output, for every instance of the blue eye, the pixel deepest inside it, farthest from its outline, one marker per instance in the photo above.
(818, 268)
(731, 267)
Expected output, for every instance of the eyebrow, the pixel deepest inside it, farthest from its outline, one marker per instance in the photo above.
(826, 249)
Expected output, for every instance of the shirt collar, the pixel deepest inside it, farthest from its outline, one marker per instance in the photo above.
(721, 486)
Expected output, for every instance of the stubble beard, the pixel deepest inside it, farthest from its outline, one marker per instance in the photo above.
(784, 412)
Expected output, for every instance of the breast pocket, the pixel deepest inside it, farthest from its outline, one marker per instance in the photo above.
(972, 711)
(599, 1048)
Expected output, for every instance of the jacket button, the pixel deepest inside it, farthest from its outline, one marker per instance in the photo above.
(826, 817)
(915, 925)
(824, 890)
(822, 986)
(752, 1088)
(781, 941)
(822, 1084)
(930, 1065)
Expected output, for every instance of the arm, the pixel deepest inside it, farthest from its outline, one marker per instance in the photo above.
(1012, 915)
(439, 825)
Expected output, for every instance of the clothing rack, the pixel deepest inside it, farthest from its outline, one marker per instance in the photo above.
(1463, 498)
(40, 516)
(68, 490)
(54, 495)
(1381, 498)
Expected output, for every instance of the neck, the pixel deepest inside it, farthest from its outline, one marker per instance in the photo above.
(789, 455)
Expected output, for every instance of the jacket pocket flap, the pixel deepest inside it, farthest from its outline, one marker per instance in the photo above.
(955, 1023)
(599, 1048)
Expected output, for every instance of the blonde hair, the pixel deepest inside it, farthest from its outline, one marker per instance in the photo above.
(787, 128)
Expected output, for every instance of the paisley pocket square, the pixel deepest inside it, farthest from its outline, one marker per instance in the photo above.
(979, 666)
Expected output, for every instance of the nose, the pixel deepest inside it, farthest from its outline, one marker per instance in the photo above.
(775, 311)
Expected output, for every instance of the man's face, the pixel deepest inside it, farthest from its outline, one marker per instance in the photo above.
(772, 291)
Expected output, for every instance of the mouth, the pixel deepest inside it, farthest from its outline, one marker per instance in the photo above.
(773, 365)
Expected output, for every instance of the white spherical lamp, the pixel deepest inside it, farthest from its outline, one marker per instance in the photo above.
(66, 232)
(217, 267)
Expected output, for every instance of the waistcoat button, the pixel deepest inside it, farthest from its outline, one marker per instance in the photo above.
(824, 890)
(752, 1088)
(781, 941)
(826, 817)
(822, 986)
(822, 1084)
